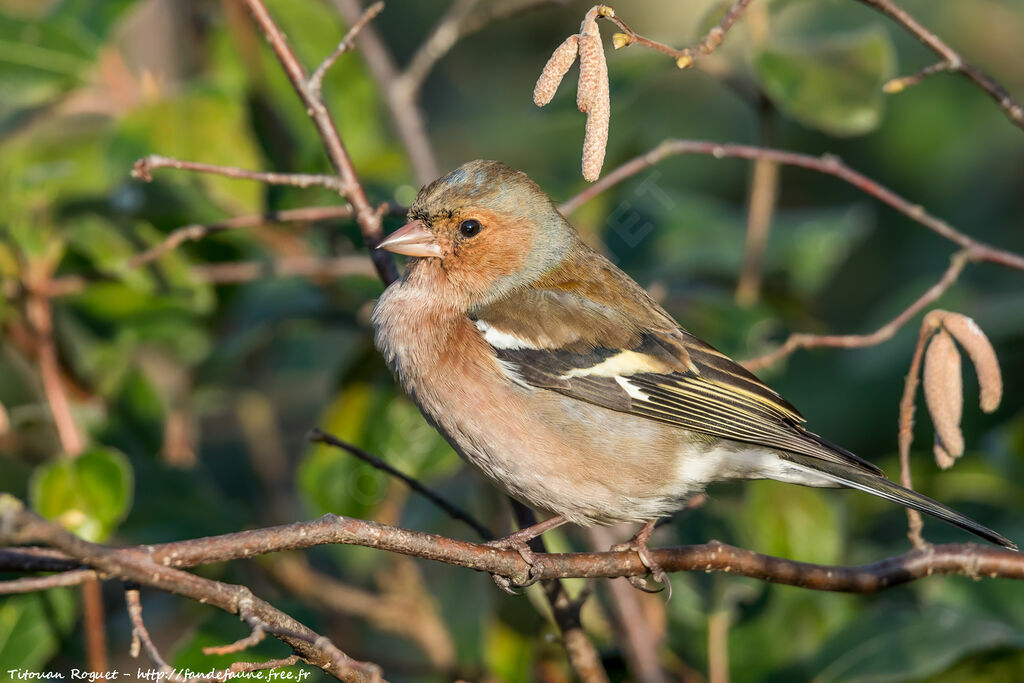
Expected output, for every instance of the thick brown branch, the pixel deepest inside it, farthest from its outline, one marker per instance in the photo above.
(962, 559)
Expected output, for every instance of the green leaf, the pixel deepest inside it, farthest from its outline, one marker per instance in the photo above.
(907, 645)
(198, 126)
(108, 249)
(88, 494)
(834, 84)
(386, 425)
(791, 521)
(31, 627)
(49, 50)
(810, 246)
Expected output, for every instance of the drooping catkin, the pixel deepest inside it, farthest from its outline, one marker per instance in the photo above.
(943, 393)
(554, 71)
(593, 96)
(982, 355)
(591, 59)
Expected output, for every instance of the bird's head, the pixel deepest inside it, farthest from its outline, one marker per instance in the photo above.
(487, 227)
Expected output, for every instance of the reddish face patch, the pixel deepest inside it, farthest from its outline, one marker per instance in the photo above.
(480, 246)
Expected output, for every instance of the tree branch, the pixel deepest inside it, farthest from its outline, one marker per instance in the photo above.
(366, 215)
(196, 232)
(687, 55)
(143, 170)
(951, 61)
(827, 164)
(316, 81)
(402, 106)
(18, 526)
(453, 510)
(801, 340)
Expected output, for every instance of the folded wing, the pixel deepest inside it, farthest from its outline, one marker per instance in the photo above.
(559, 340)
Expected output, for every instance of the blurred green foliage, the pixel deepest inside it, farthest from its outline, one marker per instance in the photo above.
(196, 395)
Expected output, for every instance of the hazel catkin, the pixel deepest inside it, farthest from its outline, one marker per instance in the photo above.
(554, 71)
(982, 355)
(943, 392)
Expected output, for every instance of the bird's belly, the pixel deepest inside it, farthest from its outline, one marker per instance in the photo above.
(555, 453)
(565, 456)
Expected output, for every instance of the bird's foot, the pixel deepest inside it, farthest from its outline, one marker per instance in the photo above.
(638, 544)
(519, 541)
(533, 574)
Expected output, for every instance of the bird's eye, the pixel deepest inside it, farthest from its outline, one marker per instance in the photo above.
(469, 228)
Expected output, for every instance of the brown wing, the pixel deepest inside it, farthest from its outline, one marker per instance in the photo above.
(559, 340)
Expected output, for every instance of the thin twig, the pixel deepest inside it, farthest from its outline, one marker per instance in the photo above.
(316, 81)
(402, 106)
(73, 443)
(687, 55)
(140, 634)
(442, 38)
(31, 584)
(579, 650)
(583, 656)
(453, 510)
(367, 215)
(828, 164)
(951, 61)
(895, 85)
(718, 646)
(905, 433)
(639, 643)
(196, 232)
(764, 190)
(295, 266)
(40, 316)
(255, 637)
(36, 560)
(143, 170)
(95, 625)
(800, 340)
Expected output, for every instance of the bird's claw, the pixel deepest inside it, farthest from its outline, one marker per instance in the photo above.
(534, 573)
(638, 545)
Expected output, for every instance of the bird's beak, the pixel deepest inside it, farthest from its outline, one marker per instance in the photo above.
(412, 239)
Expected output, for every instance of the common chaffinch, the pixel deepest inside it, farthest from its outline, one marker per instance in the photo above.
(557, 375)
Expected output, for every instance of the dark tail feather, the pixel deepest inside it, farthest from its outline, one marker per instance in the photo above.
(883, 488)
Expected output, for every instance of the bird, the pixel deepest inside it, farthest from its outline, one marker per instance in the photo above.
(558, 376)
